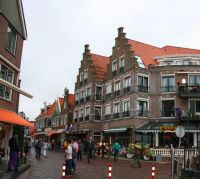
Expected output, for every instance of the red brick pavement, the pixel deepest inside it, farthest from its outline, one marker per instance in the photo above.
(98, 169)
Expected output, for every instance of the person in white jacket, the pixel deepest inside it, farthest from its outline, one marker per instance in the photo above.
(68, 156)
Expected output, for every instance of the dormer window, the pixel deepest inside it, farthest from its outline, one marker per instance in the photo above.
(140, 62)
(11, 40)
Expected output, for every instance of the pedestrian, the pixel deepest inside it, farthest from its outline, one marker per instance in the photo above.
(89, 148)
(116, 149)
(38, 148)
(14, 153)
(136, 153)
(74, 154)
(103, 149)
(45, 147)
(26, 150)
(68, 156)
(80, 150)
(109, 151)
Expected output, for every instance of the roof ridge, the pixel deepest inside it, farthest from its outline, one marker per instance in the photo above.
(99, 55)
(179, 47)
(136, 41)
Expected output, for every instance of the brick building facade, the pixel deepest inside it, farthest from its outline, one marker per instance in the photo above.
(12, 35)
(145, 94)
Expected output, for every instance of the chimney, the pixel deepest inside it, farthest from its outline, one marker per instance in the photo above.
(45, 106)
(120, 32)
(87, 50)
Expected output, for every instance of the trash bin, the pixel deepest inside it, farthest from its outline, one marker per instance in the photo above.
(158, 158)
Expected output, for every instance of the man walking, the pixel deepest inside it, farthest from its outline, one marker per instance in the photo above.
(136, 153)
(14, 153)
(89, 148)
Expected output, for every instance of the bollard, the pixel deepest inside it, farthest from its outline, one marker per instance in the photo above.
(110, 171)
(153, 171)
(63, 171)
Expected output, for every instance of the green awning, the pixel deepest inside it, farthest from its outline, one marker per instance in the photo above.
(115, 130)
(154, 127)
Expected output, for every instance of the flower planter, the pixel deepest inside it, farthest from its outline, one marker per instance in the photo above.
(129, 155)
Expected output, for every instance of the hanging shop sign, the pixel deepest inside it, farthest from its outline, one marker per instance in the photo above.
(168, 128)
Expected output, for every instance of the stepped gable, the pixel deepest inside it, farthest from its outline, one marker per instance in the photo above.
(100, 65)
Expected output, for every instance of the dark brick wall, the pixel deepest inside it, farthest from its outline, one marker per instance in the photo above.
(14, 59)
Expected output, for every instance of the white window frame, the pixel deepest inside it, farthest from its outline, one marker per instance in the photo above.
(85, 74)
(114, 65)
(129, 77)
(125, 101)
(168, 75)
(116, 81)
(120, 61)
(114, 104)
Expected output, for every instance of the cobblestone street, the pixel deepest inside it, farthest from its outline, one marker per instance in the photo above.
(51, 168)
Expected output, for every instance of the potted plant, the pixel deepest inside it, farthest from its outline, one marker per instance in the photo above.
(130, 150)
(147, 152)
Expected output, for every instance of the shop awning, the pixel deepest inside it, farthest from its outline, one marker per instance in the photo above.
(115, 130)
(155, 127)
(13, 118)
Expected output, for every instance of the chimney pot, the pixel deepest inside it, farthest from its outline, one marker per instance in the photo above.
(87, 48)
(120, 30)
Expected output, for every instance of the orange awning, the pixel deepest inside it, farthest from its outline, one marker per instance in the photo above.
(13, 118)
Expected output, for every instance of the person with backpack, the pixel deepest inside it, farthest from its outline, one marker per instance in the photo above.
(116, 149)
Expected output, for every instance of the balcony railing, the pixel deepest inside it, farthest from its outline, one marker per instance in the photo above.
(117, 93)
(97, 117)
(189, 91)
(143, 89)
(82, 100)
(126, 113)
(98, 97)
(87, 118)
(142, 113)
(107, 117)
(168, 89)
(114, 73)
(191, 116)
(76, 102)
(127, 89)
(85, 80)
(121, 69)
(168, 113)
(115, 115)
(87, 98)
(80, 119)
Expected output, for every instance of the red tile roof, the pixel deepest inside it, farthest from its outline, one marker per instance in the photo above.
(148, 52)
(100, 65)
(50, 109)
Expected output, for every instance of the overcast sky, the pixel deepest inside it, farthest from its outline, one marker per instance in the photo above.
(59, 29)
